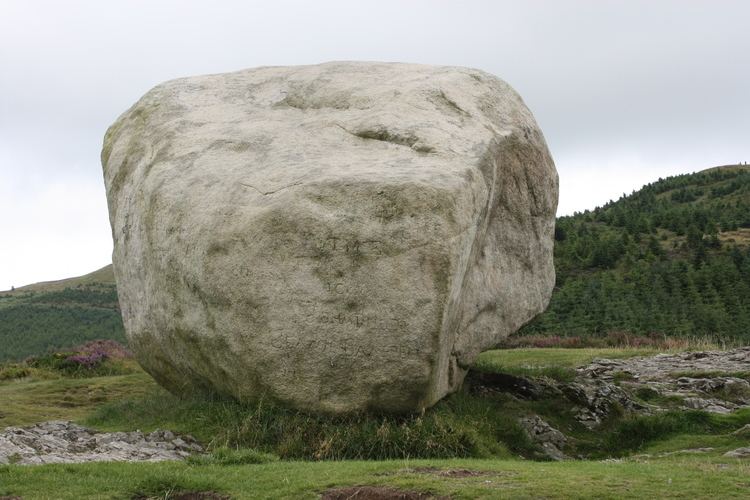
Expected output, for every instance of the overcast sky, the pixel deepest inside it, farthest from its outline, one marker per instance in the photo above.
(625, 91)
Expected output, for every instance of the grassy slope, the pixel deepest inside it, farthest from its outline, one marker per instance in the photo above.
(28, 401)
(105, 275)
(132, 401)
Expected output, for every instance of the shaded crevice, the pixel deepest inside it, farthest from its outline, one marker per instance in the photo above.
(384, 135)
(487, 308)
(450, 104)
(297, 102)
(266, 193)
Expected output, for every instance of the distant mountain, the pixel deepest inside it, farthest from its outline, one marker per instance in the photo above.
(672, 258)
(58, 314)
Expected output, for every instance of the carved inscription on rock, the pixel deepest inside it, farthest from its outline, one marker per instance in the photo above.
(315, 246)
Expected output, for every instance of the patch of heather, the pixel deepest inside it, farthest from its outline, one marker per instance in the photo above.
(88, 360)
(108, 348)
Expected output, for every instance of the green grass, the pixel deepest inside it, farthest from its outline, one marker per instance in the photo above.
(30, 400)
(634, 433)
(720, 442)
(264, 451)
(460, 426)
(679, 477)
(558, 364)
(232, 456)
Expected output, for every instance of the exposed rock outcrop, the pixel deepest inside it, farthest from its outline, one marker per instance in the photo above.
(640, 385)
(550, 440)
(597, 400)
(338, 237)
(743, 432)
(663, 366)
(66, 442)
(738, 453)
(701, 380)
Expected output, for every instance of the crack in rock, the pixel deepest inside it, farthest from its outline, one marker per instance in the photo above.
(266, 193)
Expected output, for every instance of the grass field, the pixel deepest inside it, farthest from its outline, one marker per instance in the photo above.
(34, 400)
(555, 363)
(674, 477)
(262, 451)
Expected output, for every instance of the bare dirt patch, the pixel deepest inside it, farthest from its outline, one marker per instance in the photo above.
(187, 495)
(450, 473)
(457, 473)
(377, 493)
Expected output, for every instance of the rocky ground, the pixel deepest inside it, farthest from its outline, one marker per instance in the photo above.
(66, 442)
(712, 381)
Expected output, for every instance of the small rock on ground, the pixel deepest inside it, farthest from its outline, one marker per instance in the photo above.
(549, 439)
(738, 453)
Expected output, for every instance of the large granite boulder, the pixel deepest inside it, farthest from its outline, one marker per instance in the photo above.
(338, 237)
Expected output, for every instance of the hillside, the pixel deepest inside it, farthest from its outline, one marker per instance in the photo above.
(105, 276)
(670, 259)
(58, 314)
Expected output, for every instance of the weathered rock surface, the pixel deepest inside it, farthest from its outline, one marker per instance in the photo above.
(738, 453)
(337, 237)
(710, 385)
(662, 366)
(642, 385)
(550, 440)
(597, 399)
(65, 442)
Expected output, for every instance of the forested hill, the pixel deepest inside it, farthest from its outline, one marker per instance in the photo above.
(57, 314)
(670, 259)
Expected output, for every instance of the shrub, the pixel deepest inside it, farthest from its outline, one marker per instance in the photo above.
(14, 371)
